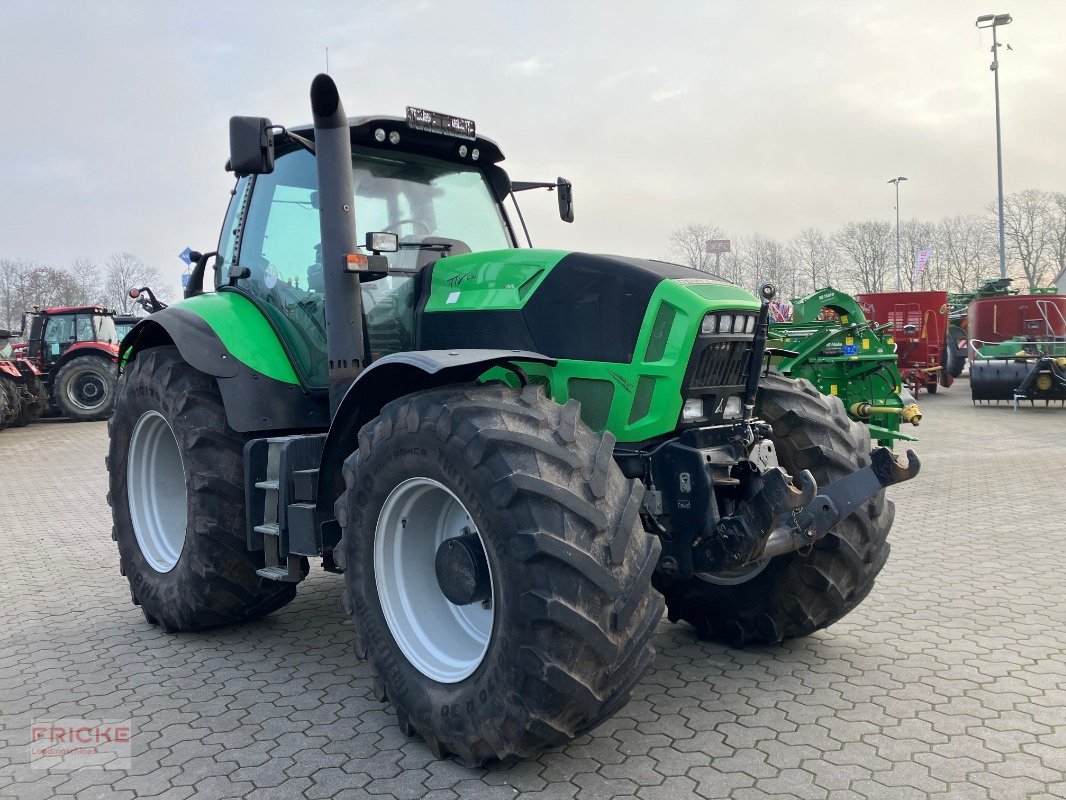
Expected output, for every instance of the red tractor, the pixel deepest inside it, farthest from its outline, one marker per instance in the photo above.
(76, 351)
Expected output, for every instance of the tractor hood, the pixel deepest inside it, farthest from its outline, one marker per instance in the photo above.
(566, 305)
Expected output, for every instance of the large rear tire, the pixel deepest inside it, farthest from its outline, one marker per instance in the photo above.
(84, 388)
(177, 500)
(797, 593)
(562, 632)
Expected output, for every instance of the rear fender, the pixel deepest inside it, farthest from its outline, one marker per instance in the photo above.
(254, 402)
(392, 377)
(79, 349)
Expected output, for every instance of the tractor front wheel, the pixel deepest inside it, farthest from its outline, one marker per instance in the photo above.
(84, 388)
(34, 402)
(177, 500)
(497, 570)
(797, 593)
(10, 403)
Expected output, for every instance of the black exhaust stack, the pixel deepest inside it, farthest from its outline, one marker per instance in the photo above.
(344, 310)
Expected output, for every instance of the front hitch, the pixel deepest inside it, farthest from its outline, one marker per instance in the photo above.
(789, 514)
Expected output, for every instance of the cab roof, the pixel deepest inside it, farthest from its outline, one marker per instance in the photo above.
(444, 146)
(60, 310)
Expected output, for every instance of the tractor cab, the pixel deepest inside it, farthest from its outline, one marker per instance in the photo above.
(435, 196)
(51, 332)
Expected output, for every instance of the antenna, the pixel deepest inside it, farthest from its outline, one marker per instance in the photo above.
(327, 60)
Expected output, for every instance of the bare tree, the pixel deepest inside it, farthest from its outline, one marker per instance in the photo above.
(762, 260)
(1056, 221)
(866, 247)
(18, 281)
(122, 271)
(688, 246)
(1025, 223)
(966, 251)
(814, 256)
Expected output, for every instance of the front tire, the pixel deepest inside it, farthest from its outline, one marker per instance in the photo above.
(566, 624)
(797, 593)
(177, 500)
(84, 388)
(34, 400)
(10, 405)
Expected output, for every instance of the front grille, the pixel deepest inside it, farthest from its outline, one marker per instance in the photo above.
(721, 363)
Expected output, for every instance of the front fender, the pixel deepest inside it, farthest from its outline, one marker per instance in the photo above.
(392, 377)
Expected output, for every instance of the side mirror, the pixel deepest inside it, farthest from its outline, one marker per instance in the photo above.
(251, 146)
(565, 191)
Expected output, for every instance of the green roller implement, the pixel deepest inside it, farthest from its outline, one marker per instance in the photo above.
(846, 356)
(517, 458)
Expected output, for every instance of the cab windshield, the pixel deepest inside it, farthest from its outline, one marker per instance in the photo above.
(437, 208)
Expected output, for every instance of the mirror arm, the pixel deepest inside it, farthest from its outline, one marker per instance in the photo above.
(523, 186)
(305, 143)
(195, 286)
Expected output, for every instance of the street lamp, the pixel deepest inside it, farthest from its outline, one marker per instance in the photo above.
(993, 21)
(897, 181)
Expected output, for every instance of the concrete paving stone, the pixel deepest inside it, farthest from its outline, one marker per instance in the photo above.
(408, 785)
(593, 786)
(948, 682)
(670, 789)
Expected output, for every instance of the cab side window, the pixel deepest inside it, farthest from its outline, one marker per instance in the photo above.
(83, 328)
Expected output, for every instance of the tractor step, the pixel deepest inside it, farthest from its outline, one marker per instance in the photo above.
(290, 573)
(281, 489)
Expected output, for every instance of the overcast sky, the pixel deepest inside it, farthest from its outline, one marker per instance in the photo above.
(756, 116)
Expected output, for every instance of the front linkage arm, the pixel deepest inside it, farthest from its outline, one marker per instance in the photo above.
(787, 515)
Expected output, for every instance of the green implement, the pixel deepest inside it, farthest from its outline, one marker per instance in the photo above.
(830, 342)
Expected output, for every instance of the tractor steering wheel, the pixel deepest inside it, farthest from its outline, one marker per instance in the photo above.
(425, 228)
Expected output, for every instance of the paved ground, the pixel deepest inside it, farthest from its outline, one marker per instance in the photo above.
(950, 681)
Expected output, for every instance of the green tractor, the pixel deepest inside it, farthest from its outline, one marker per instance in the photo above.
(513, 455)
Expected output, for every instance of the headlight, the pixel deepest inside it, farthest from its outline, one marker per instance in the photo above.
(707, 326)
(732, 409)
(750, 327)
(738, 323)
(692, 410)
(725, 323)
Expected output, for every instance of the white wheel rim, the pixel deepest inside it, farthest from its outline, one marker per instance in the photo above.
(443, 641)
(155, 486)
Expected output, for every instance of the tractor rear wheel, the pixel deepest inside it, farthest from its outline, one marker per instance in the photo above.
(497, 570)
(177, 500)
(797, 593)
(84, 388)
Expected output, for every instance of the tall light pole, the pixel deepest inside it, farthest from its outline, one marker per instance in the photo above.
(993, 21)
(899, 280)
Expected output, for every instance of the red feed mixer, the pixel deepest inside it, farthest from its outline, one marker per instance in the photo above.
(918, 323)
(1020, 316)
(1018, 348)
